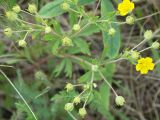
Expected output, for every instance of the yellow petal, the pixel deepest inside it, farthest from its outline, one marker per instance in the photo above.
(144, 71)
(138, 67)
(141, 60)
(151, 66)
(131, 6)
(148, 59)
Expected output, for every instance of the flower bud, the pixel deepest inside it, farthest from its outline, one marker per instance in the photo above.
(155, 45)
(95, 68)
(39, 75)
(48, 29)
(120, 100)
(32, 8)
(12, 16)
(65, 6)
(86, 86)
(76, 27)
(126, 54)
(22, 43)
(130, 20)
(111, 31)
(82, 112)
(77, 100)
(135, 55)
(67, 41)
(16, 8)
(95, 85)
(8, 32)
(69, 87)
(69, 107)
(148, 34)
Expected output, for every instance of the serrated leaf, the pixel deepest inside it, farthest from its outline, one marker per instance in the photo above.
(82, 45)
(68, 68)
(51, 9)
(85, 78)
(59, 68)
(55, 47)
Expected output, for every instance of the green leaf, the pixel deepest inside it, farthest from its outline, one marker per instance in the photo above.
(84, 2)
(111, 43)
(55, 47)
(59, 68)
(53, 9)
(73, 19)
(57, 27)
(85, 78)
(101, 101)
(68, 68)
(82, 45)
(48, 37)
(91, 29)
(22, 107)
(105, 93)
(8, 3)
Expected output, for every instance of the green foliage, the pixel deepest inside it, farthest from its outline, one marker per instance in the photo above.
(57, 54)
(53, 9)
(101, 101)
(111, 43)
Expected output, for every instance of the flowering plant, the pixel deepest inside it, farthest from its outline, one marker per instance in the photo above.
(61, 32)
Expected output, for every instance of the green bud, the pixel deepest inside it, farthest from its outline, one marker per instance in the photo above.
(69, 87)
(77, 100)
(120, 100)
(111, 31)
(32, 8)
(155, 45)
(95, 68)
(148, 34)
(22, 43)
(65, 6)
(8, 32)
(39, 75)
(76, 27)
(135, 55)
(12, 16)
(82, 112)
(86, 86)
(130, 20)
(48, 29)
(67, 41)
(69, 107)
(126, 54)
(16, 8)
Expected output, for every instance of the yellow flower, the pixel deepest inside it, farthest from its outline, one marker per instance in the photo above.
(125, 7)
(144, 65)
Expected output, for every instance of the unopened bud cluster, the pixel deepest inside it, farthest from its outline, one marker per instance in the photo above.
(77, 99)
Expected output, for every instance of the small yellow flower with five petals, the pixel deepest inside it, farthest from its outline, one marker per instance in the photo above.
(144, 65)
(125, 7)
